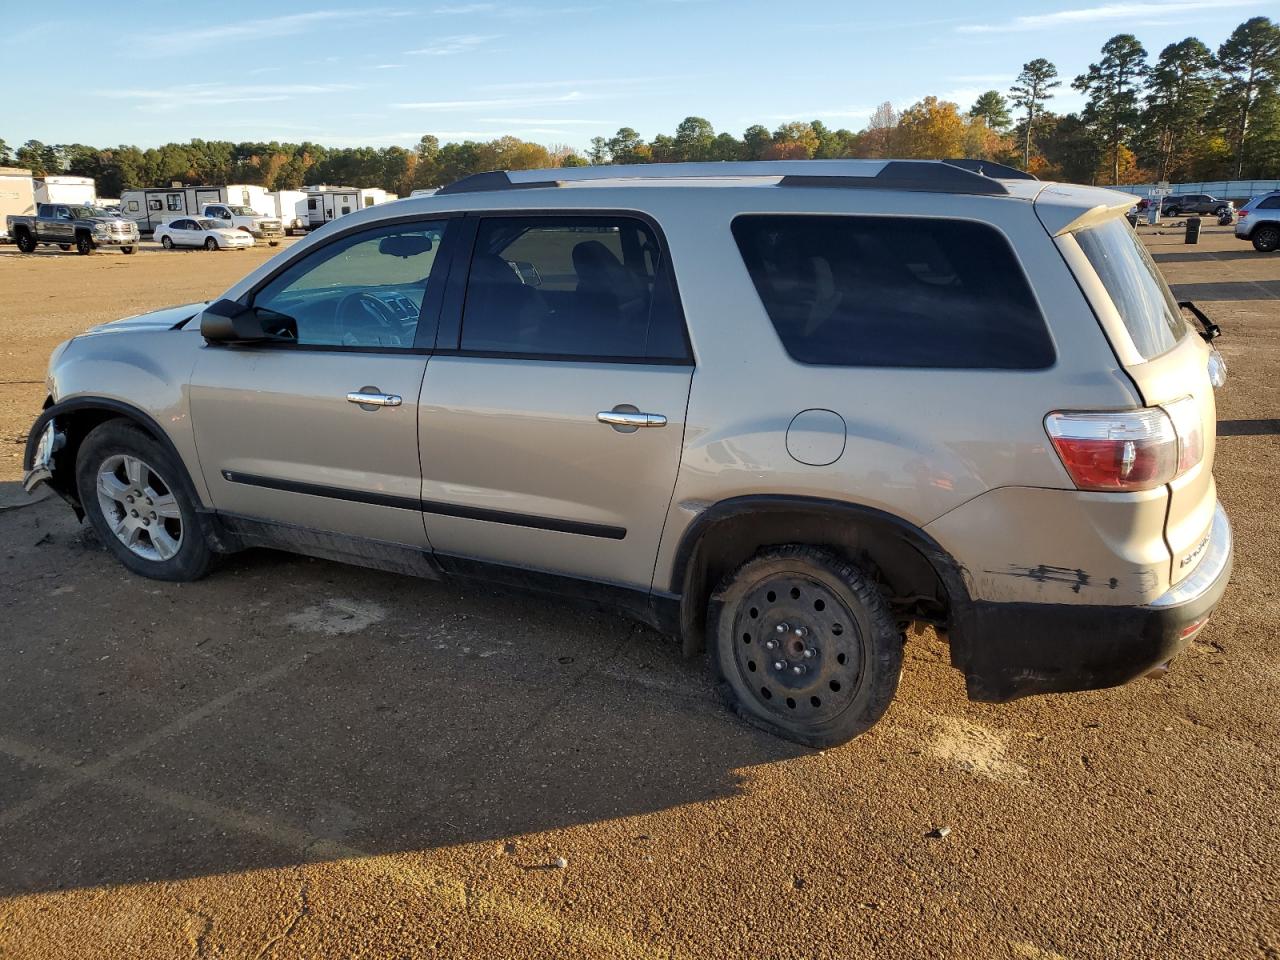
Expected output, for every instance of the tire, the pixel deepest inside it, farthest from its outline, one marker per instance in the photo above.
(84, 244)
(211, 244)
(167, 242)
(1172, 211)
(64, 246)
(273, 243)
(1266, 239)
(25, 241)
(837, 646)
(1220, 212)
(179, 552)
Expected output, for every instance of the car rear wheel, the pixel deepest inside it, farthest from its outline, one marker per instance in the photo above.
(84, 245)
(211, 244)
(26, 242)
(804, 645)
(137, 499)
(1266, 239)
(1172, 211)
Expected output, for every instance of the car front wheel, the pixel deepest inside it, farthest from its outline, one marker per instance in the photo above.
(804, 645)
(211, 244)
(137, 499)
(126, 250)
(1266, 239)
(84, 245)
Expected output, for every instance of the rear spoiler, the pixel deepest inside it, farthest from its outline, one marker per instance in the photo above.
(1211, 330)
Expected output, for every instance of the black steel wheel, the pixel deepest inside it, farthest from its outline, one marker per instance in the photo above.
(804, 645)
(1266, 239)
(26, 242)
(84, 244)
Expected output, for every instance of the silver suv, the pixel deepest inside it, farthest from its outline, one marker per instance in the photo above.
(1259, 223)
(782, 411)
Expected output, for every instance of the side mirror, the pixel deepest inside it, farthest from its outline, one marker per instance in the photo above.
(228, 321)
(404, 245)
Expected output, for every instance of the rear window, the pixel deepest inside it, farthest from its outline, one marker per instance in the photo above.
(1135, 286)
(894, 292)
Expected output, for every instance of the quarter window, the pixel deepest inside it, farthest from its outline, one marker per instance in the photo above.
(894, 292)
(1271, 203)
(571, 287)
(362, 290)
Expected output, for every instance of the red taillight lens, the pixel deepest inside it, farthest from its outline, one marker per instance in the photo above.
(1124, 450)
(1242, 214)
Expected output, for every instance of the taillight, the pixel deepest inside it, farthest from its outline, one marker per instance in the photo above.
(1121, 450)
(1189, 427)
(1242, 214)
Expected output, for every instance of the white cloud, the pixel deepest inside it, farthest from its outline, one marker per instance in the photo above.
(217, 94)
(180, 41)
(1100, 14)
(450, 106)
(839, 113)
(564, 122)
(448, 46)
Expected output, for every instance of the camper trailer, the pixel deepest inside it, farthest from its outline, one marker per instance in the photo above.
(17, 197)
(371, 195)
(153, 206)
(290, 207)
(328, 203)
(70, 190)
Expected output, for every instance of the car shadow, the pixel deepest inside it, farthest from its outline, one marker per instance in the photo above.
(1230, 290)
(1248, 428)
(1200, 256)
(284, 710)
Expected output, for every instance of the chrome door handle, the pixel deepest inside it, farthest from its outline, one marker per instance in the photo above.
(375, 399)
(622, 418)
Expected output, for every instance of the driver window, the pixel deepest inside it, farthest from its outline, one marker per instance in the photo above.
(363, 290)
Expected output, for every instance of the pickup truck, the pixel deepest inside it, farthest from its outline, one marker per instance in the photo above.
(238, 217)
(1196, 204)
(67, 224)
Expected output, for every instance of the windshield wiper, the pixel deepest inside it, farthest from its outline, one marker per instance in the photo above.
(1211, 330)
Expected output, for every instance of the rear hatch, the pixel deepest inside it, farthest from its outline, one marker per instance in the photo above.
(1165, 356)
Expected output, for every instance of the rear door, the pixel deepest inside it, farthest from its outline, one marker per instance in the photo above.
(552, 414)
(1169, 363)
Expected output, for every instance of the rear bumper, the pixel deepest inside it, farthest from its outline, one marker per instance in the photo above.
(1012, 650)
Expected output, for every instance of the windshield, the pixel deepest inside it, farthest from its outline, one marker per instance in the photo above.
(1133, 281)
(82, 213)
(243, 211)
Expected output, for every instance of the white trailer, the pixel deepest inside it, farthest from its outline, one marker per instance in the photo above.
(153, 206)
(326, 203)
(371, 195)
(290, 206)
(17, 196)
(60, 189)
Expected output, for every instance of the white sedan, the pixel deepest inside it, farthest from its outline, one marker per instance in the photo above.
(201, 232)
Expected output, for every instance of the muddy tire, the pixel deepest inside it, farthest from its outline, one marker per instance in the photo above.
(25, 241)
(139, 501)
(1266, 239)
(803, 644)
(84, 244)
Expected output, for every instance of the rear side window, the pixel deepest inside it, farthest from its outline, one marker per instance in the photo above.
(571, 287)
(1271, 203)
(1135, 286)
(894, 292)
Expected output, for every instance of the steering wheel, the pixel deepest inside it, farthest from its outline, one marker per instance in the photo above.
(365, 321)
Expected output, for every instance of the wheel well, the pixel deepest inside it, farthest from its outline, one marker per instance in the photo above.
(917, 577)
(75, 425)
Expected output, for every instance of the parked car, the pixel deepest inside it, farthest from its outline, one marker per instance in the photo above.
(201, 232)
(1197, 204)
(1259, 222)
(924, 395)
(67, 225)
(239, 217)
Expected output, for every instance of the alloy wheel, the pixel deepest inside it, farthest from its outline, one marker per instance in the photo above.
(139, 507)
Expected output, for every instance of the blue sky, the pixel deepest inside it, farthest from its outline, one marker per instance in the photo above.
(559, 71)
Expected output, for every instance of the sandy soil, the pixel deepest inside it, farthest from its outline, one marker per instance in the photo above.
(297, 759)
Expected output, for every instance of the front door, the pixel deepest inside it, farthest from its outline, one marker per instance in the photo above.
(319, 430)
(551, 426)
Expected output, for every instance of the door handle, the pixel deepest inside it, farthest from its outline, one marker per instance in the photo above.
(374, 399)
(625, 418)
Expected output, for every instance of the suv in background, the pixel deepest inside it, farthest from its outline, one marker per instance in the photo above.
(923, 395)
(1259, 222)
(1197, 204)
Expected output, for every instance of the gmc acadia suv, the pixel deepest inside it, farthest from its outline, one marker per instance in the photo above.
(780, 410)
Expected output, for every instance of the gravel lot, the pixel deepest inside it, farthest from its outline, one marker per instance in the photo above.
(297, 759)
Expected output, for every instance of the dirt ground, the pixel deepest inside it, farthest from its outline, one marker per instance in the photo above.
(292, 758)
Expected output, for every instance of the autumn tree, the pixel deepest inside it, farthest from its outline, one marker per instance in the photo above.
(1250, 61)
(877, 139)
(793, 141)
(1032, 88)
(1112, 86)
(992, 108)
(929, 130)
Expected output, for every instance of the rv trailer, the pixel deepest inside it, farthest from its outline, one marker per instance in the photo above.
(17, 197)
(153, 206)
(79, 191)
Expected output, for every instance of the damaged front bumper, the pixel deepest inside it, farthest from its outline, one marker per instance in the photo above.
(43, 445)
(1012, 650)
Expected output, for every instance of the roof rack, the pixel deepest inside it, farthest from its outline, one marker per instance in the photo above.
(931, 176)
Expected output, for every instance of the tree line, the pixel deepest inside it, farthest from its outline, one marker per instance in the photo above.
(1191, 114)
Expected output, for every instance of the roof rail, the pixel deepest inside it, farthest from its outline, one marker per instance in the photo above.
(932, 176)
